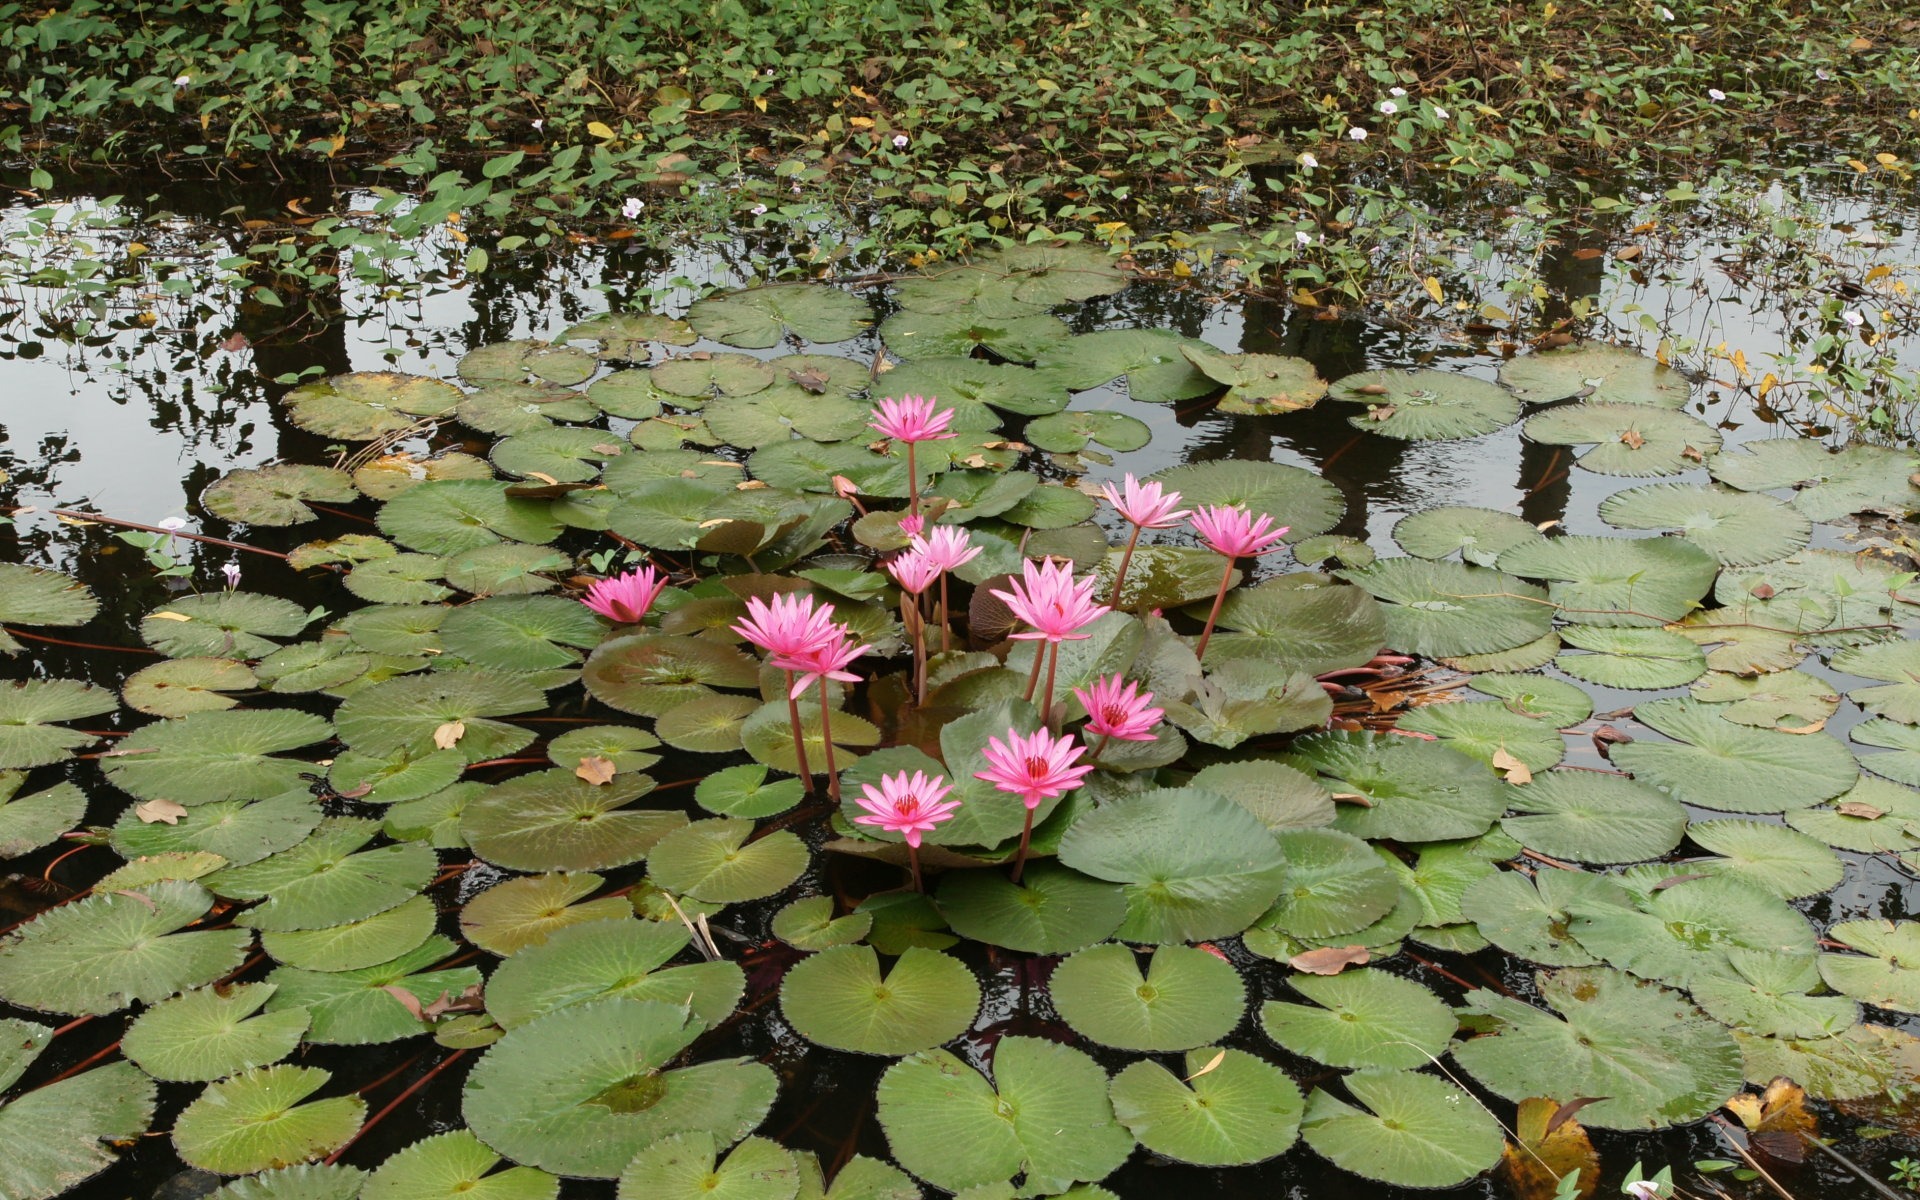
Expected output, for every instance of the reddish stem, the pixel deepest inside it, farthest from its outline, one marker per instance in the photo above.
(396, 1102)
(1120, 576)
(191, 537)
(1226, 577)
(913, 484)
(41, 637)
(826, 741)
(1053, 664)
(799, 735)
(1026, 835)
(913, 861)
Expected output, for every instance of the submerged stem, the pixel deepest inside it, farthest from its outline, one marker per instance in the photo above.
(1226, 577)
(799, 735)
(1120, 576)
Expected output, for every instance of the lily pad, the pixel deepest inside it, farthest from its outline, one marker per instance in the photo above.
(31, 596)
(746, 791)
(974, 387)
(1617, 581)
(222, 625)
(1874, 817)
(390, 474)
(1597, 372)
(101, 954)
(1409, 790)
(276, 495)
(1045, 1113)
(1151, 360)
(1052, 910)
(1299, 499)
(932, 335)
(1827, 484)
(1485, 729)
(1259, 384)
(31, 821)
(624, 335)
(180, 686)
(210, 1033)
(555, 821)
(526, 359)
(63, 1133)
(1791, 701)
(328, 879)
(1333, 885)
(1854, 1064)
(1231, 1108)
(1530, 917)
(358, 1007)
(366, 405)
(1303, 622)
(581, 1090)
(1687, 930)
(1738, 529)
(1361, 1019)
(690, 1166)
(448, 516)
(1443, 609)
(760, 317)
(455, 1166)
(416, 714)
(599, 961)
(1886, 974)
(1781, 861)
(809, 924)
(1426, 405)
(1634, 440)
(1560, 704)
(839, 998)
(1656, 1061)
(352, 945)
(257, 1120)
(1177, 998)
(651, 675)
(713, 860)
(1767, 995)
(1278, 795)
(1594, 818)
(235, 830)
(1413, 1131)
(1631, 659)
(28, 708)
(1477, 534)
(1898, 664)
(1714, 763)
(522, 912)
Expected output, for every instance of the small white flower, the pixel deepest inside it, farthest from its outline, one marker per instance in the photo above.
(1442, 113)
(1309, 161)
(538, 125)
(1666, 14)
(632, 208)
(1396, 91)
(181, 81)
(231, 569)
(1643, 1189)
(1852, 317)
(174, 524)
(1389, 107)
(900, 141)
(796, 189)
(759, 210)
(1357, 134)
(1303, 237)
(1716, 94)
(1820, 73)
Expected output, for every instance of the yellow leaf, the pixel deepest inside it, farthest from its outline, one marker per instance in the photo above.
(860, 122)
(1181, 269)
(596, 769)
(168, 616)
(600, 129)
(1548, 12)
(1879, 272)
(1433, 285)
(1660, 354)
(447, 736)
(1740, 363)
(1857, 165)
(1885, 159)
(1218, 1058)
(1768, 382)
(760, 102)
(1304, 298)
(1516, 771)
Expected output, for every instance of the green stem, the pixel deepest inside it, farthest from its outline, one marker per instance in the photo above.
(1053, 663)
(1033, 676)
(1120, 576)
(799, 735)
(913, 484)
(1026, 835)
(913, 861)
(1226, 577)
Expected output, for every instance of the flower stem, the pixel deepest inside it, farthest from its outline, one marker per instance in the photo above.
(920, 658)
(1053, 663)
(1033, 676)
(799, 735)
(1120, 576)
(913, 484)
(913, 861)
(1226, 577)
(1026, 835)
(1101, 748)
(826, 739)
(946, 618)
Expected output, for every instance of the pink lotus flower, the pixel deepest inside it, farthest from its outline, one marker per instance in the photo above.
(845, 488)
(1144, 505)
(1047, 598)
(1231, 530)
(825, 660)
(790, 625)
(905, 805)
(912, 419)
(1117, 711)
(1034, 767)
(625, 599)
(913, 569)
(912, 524)
(948, 547)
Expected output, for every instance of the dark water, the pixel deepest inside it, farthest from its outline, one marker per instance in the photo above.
(136, 414)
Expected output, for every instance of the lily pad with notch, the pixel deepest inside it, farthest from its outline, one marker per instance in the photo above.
(365, 405)
(1714, 763)
(1828, 484)
(1413, 1131)
(29, 708)
(1152, 361)
(222, 625)
(839, 998)
(1052, 910)
(1409, 790)
(553, 820)
(1361, 1019)
(1426, 405)
(1633, 440)
(1594, 818)
(1597, 372)
(257, 1120)
(1445, 609)
(598, 961)
(1616, 581)
(103, 953)
(1631, 659)
(276, 495)
(359, 1007)
(1258, 384)
(209, 756)
(212, 1032)
(1230, 1109)
(1477, 534)
(1738, 529)
(454, 1166)
(1176, 998)
(760, 317)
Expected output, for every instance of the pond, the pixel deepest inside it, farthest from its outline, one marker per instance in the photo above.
(1575, 723)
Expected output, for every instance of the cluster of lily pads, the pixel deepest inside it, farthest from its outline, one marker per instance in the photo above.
(438, 815)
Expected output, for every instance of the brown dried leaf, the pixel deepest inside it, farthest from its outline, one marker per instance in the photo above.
(1516, 772)
(447, 736)
(1380, 412)
(1550, 1145)
(1372, 389)
(1607, 736)
(1632, 439)
(1861, 809)
(1330, 960)
(1816, 727)
(596, 769)
(1777, 1119)
(407, 998)
(813, 379)
(166, 812)
(1692, 454)
(1352, 798)
(168, 616)
(1212, 1063)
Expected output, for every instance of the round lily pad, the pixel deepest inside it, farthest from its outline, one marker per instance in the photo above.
(839, 998)
(455, 1166)
(624, 335)
(1529, 917)
(701, 375)
(447, 516)
(713, 860)
(180, 686)
(1302, 621)
(1685, 931)
(1781, 861)
(1307, 504)
(209, 1033)
(1361, 1019)
(235, 830)
(1427, 405)
(103, 953)
(525, 911)
(276, 495)
(1875, 816)
(360, 1007)
(1616, 581)
(306, 1181)
(1598, 372)
(1768, 995)
(390, 474)
(1413, 1131)
(1594, 818)
(1409, 790)
(1156, 370)
(1634, 440)
(1827, 484)
(747, 791)
(417, 714)
(222, 625)
(1737, 528)
(1176, 998)
(61, 1134)
(328, 879)
(604, 959)
(1898, 664)
(1230, 1109)
(1714, 763)
(1477, 534)
(932, 335)
(691, 1166)
(31, 821)
(257, 1120)
(1443, 609)
(1280, 796)
(1485, 729)
(32, 596)
(1333, 885)
(368, 404)
(761, 317)
(1886, 974)
(563, 454)
(555, 821)
(1259, 384)
(367, 942)
(28, 708)
(1052, 910)
(1631, 659)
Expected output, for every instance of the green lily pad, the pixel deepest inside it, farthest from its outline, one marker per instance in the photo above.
(449, 516)
(624, 335)
(276, 495)
(410, 713)
(1194, 865)
(1484, 728)
(1045, 1113)
(222, 625)
(1443, 609)
(1426, 405)
(236, 831)
(933, 335)
(1299, 499)
(1738, 529)
(383, 479)
(1303, 621)
(31, 821)
(1631, 659)
(1055, 272)
(1477, 534)
(760, 317)
(307, 1181)
(396, 777)
(1178, 998)
(627, 747)
(401, 579)
(522, 912)
(1874, 817)
(1903, 764)
(1413, 1131)
(1537, 697)
(602, 960)
(1597, 372)
(1232, 1109)
(1792, 701)
(1525, 657)
(1152, 360)
(1714, 763)
(779, 413)
(61, 1134)
(1333, 885)
(31, 596)
(974, 387)
(1886, 974)
(366, 405)
(1898, 664)
(713, 860)
(526, 359)
(1412, 791)
(651, 675)
(505, 409)
(257, 1120)
(713, 725)
(554, 821)
(1788, 864)
(563, 453)
(179, 686)
(1685, 931)
(1827, 484)
(809, 924)
(358, 1007)
(1259, 384)
(701, 375)
(1279, 796)
(1361, 1019)
(1617, 581)
(455, 1166)
(328, 879)
(101, 954)
(1052, 910)
(966, 287)
(746, 791)
(210, 1033)
(1594, 818)
(1530, 917)
(690, 1166)
(352, 945)
(1646, 1049)
(1854, 1064)
(839, 998)
(1634, 440)
(582, 1090)
(28, 708)
(1767, 994)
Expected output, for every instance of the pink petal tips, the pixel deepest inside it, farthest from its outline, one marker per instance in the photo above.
(625, 599)
(909, 806)
(1231, 530)
(1117, 708)
(1048, 599)
(1144, 504)
(912, 419)
(1035, 767)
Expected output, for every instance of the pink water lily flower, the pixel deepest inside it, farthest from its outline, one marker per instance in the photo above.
(789, 625)
(1145, 505)
(912, 419)
(948, 547)
(1047, 598)
(1117, 708)
(1231, 530)
(913, 569)
(827, 660)
(1035, 767)
(625, 599)
(912, 524)
(907, 805)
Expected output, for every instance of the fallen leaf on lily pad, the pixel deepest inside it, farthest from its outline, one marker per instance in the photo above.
(164, 811)
(1330, 960)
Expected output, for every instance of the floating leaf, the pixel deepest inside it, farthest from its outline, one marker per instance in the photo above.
(31, 596)
(1530, 917)
(354, 944)
(236, 831)
(455, 1166)
(210, 1033)
(652, 675)
(366, 405)
(382, 479)
(1333, 885)
(1361, 1019)
(761, 317)
(554, 821)
(1686, 930)
(361, 1007)
(1414, 1131)
(1411, 791)
(1278, 795)
(222, 625)
(1425, 405)
(1445, 608)
(1052, 910)
(276, 495)
(746, 791)
(1488, 729)
(1294, 497)
(179, 686)
(405, 715)
(1733, 768)
(1886, 974)
(1152, 360)
(599, 961)
(1874, 817)
(1788, 864)
(809, 924)
(307, 1181)
(1737, 528)
(623, 335)
(1259, 384)
(1856, 1063)
(838, 998)
(1616, 581)
(328, 879)
(517, 361)
(1302, 621)
(256, 1120)
(1828, 484)
(1595, 818)
(581, 1090)
(1598, 372)
(1045, 1113)
(931, 335)
(28, 708)
(63, 1133)
(523, 912)
(972, 386)
(30, 822)
(447, 516)
(713, 860)
(103, 953)
(1178, 998)
(690, 1166)
(1232, 1109)
(1477, 534)
(1767, 994)
(1634, 440)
